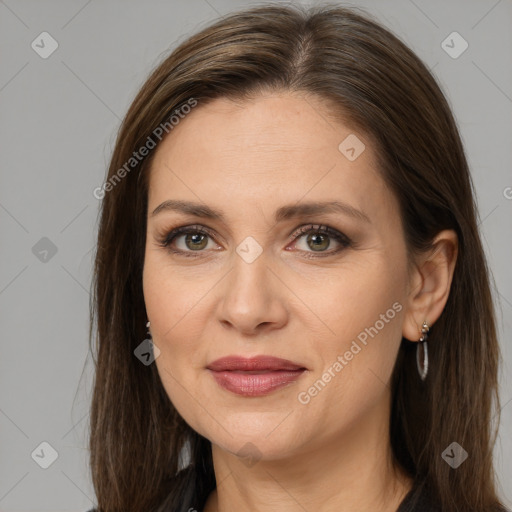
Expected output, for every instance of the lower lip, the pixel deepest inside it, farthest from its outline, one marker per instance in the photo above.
(255, 384)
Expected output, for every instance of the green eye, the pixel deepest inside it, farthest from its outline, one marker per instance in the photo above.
(318, 240)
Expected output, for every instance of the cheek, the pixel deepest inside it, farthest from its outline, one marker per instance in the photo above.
(173, 298)
(361, 302)
(169, 310)
(354, 380)
(176, 306)
(364, 313)
(170, 304)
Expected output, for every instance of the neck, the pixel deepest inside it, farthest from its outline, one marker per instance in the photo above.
(353, 471)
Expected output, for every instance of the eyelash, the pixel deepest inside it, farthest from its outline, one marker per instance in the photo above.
(165, 240)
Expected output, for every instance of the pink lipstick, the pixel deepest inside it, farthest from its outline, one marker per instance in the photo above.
(256, 376)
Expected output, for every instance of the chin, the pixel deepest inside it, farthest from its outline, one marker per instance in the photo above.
(262, 436)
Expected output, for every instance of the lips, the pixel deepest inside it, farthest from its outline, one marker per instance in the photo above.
(259, 363)
(256, 376)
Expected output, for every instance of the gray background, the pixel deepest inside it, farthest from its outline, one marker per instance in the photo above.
(59, 117)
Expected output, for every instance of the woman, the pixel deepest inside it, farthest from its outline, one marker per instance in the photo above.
(292, 301)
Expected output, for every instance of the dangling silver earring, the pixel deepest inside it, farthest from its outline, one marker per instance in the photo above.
(147, 351)
(422, 347)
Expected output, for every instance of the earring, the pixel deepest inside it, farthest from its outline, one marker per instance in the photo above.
(147, 351)
(422, 347)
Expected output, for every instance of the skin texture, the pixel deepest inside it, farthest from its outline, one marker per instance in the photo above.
(248, 159)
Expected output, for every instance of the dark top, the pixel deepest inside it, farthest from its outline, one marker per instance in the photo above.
(418, 499)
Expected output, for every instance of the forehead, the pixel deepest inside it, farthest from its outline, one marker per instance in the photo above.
(276, 148)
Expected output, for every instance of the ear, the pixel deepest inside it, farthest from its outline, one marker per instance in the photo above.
(429, 284)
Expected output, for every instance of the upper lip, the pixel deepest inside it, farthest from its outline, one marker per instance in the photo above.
(231, 363)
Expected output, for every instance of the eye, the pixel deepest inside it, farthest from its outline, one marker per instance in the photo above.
(195, 240)
(318, 240)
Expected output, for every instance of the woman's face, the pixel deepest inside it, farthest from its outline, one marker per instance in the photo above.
(251, 285)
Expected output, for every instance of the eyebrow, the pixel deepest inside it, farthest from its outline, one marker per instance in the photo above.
(283, 213)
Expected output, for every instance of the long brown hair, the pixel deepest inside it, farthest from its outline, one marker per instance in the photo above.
(372, 81)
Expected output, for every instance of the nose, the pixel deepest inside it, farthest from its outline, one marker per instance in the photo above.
(253, 298)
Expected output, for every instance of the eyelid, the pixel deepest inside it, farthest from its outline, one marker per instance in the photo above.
(321, 228)
(170, 234)
(343, 240)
